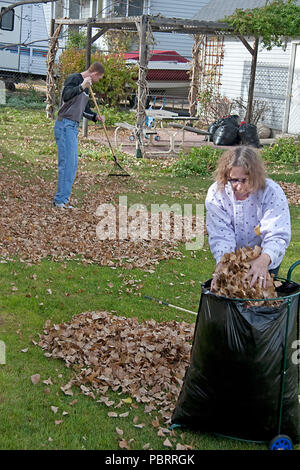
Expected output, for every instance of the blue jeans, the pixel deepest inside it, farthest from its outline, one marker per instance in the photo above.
(66, 136)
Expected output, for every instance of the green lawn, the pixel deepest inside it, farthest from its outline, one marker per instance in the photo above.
(32, 293)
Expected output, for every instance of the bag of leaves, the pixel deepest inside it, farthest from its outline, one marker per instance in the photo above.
(248, 134)
(232, 119)
(233, 384)
(226, 135)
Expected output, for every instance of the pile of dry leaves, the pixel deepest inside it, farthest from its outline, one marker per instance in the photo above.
(146, 360)
(292, 192)
(231, 282)
(31, 229)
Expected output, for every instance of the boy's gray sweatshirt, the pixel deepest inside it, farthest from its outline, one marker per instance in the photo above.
(74, 102)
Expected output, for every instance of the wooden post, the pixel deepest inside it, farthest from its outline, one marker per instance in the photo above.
(142, 86)
(249, 111)
(87, 64)
(194, 87)
(50, 80)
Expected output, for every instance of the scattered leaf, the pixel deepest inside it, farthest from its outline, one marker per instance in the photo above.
(123, 444)
(120, 432)
(35, 378)
(167, 443)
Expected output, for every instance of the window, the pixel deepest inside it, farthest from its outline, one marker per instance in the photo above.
(129, 8)
(7, 20)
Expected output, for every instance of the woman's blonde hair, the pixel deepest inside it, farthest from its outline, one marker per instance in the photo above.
(249, 160)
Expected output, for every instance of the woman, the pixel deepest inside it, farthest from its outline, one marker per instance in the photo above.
(244, 208)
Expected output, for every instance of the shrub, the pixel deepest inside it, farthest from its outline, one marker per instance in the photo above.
(28, 98)
(118, 81)
(113, 115)
(284, 150)
(199, 161)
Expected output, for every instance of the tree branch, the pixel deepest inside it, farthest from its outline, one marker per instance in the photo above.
(23, 2)
(246, 44)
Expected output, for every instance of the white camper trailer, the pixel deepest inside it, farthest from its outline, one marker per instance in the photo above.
(23, 43)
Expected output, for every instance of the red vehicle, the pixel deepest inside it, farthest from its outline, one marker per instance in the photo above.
(168, 73)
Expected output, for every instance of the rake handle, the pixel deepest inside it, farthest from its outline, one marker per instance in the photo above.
(99, 114)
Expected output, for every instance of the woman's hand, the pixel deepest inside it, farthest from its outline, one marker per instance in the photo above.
(219, 268)
(259, 270)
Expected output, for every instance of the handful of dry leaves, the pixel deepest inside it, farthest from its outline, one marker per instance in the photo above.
(231, 282)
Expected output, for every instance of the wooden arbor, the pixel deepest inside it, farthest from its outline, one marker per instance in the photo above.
(144, 25)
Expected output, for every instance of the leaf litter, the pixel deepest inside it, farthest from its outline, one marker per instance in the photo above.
(144, 360)
(32, 230)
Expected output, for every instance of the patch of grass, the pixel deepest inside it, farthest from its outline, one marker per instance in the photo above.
(200, 161)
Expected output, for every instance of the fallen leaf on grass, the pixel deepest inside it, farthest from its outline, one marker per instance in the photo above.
(111, 414)
(123, 444)
(66, 389)
(167, 443)
(120, 432)
(180, 446)
(48, 381)
(155, 422)
(35, 378)
(54, 409)
(127, 400)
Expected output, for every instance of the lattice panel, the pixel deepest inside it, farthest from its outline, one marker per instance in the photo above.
(271, 81)
(212, 53)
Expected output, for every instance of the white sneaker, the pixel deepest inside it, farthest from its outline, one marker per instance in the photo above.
(62, 206)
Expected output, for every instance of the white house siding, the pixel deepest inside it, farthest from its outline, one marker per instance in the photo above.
(181, 43)
(47, 14)
(271, 78)
(176, 8)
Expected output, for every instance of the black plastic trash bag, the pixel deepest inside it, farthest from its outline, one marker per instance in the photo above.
(233, 383)
(248, 135)
(226, 135)
(232, 119)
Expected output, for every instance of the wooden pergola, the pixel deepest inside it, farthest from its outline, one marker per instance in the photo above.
(144, 25)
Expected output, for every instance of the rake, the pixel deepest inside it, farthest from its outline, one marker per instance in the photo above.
(117, 164)
(162, 302)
